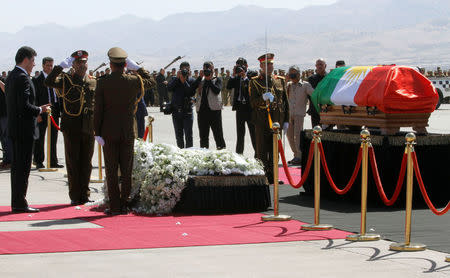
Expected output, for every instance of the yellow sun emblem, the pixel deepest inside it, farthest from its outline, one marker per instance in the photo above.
(354, 73)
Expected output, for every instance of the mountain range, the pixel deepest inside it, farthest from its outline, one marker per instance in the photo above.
(361, 32)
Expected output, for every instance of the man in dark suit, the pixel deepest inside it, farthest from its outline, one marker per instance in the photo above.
(241, 104)
(46, 95)
(22, 128)
(116, 97)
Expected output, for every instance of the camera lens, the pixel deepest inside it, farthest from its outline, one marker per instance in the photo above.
(207, 72)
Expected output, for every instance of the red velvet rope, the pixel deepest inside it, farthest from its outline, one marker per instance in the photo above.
(145, 134)
(54, 123)
(330, 179)
(376, 176)
(423, 190)
(286, 169)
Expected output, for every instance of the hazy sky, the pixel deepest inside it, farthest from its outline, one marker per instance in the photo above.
(17, 14)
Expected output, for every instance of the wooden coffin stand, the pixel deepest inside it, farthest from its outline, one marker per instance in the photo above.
(358, 116)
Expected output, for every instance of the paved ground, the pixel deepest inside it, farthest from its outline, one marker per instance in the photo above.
(305, 259)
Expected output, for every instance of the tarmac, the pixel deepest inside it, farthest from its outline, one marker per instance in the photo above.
(319, 258)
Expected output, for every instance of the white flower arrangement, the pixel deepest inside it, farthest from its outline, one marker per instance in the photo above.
(160, 172)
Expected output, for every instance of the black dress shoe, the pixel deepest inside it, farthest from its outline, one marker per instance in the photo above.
(112, 212)
(23, 210)
(280, 182)
(39, 166)
(56, 166)
(74, 203)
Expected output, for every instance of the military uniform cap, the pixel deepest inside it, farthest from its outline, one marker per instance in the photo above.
(80, 55)
(268, 56)
(117, 55)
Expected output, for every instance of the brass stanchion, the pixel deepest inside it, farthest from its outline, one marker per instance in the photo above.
(275, 216)
(49, 143)
(100, 175)
(317, 226)
(150, 120)
(407, 245)
(362, 236)
(447, 259)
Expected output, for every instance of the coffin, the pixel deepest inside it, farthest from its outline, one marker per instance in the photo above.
(388, 97)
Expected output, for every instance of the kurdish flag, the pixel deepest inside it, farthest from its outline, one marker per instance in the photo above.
(392, 89)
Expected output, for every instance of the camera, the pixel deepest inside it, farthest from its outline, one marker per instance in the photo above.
(185, 72)
(239, 69)
(207, 72)
(167, 108)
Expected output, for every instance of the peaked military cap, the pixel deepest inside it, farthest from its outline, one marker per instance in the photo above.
(80, 55)
(117, 55)
(262, 58)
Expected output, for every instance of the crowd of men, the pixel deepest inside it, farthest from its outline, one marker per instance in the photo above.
(111, 107)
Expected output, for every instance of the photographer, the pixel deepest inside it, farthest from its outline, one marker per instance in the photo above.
(241, 103)
(209, 106)
(181, 105)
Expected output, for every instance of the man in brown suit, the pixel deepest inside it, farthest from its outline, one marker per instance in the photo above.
(270, 97)
(116, 99)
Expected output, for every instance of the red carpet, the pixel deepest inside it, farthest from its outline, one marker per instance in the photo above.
(136, 232)
(296, 174)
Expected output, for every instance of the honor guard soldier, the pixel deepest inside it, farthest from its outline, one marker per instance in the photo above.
(268, 97)
(76, 91)
(116, 99)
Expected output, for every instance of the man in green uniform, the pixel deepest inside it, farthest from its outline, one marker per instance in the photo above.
(76, 92)
(116, 99)
(265, 99)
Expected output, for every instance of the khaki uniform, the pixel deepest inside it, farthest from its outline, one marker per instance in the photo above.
(279, 112)
(77, 97)
(226, 94)
(116, 99)
(298, 98)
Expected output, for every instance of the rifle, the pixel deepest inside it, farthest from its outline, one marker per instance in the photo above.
(174, 60)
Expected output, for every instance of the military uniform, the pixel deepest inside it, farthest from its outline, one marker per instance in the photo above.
(116, 99)
(279, 112)
(77, 111)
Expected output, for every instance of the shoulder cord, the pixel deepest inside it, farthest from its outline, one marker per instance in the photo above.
(142, 94)
(63, 94)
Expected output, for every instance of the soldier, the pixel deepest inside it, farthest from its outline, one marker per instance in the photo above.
(76, 91)
(264, 99)
(116, 99)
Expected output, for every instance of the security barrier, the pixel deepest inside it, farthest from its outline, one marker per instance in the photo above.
(409, 167)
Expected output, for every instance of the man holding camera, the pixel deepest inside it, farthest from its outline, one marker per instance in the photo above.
(181, 105)
(209, 106)
(265, 99)
(241, 103)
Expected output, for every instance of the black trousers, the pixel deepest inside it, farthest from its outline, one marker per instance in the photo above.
(118, 154)
(20, 171)
(40, 143)
(140, 121)
(182, 123)
(243, 117)
(210, 119)
(79, 148)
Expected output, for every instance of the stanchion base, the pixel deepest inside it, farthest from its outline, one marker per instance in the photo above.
(47, 170)
(365, 237)
(276, 218)
(407, 247)
(97, 181)
(318, 227)
(447, 259)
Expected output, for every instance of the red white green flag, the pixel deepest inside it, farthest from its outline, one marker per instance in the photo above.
(392, 89)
